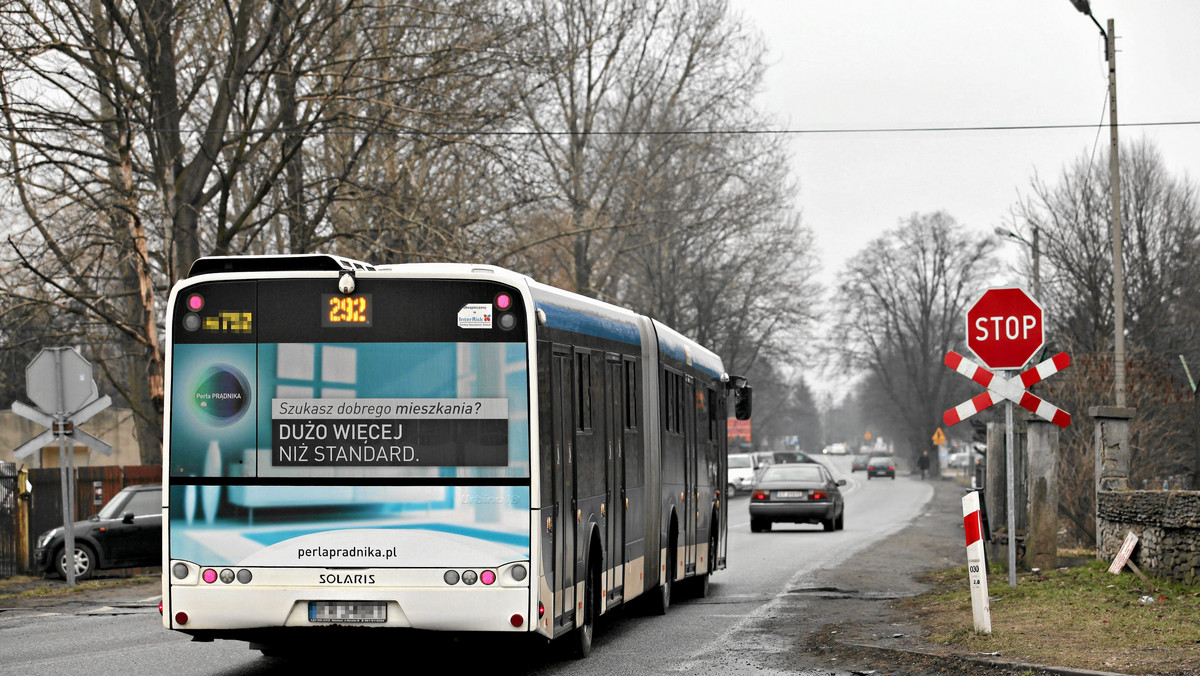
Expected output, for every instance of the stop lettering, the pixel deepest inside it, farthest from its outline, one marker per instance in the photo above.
(1005, 328)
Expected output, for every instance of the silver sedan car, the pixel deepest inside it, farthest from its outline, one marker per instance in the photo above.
(796, 493)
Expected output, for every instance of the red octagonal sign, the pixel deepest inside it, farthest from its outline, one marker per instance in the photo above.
(1005, 328)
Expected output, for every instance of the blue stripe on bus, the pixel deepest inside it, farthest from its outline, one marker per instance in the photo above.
(675, 350)
(576, 321)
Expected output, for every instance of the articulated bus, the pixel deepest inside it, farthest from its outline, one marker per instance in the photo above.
(433, 447)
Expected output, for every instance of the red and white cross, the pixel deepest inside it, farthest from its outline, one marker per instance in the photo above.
(1012, 389)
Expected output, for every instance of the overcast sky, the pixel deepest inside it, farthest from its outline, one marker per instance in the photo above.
(871, 64)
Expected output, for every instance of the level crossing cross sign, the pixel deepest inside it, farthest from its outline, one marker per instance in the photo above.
(1012, 389)
(1005, 328)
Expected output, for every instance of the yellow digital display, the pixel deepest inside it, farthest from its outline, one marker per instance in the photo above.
(354, 310)
(230, 322)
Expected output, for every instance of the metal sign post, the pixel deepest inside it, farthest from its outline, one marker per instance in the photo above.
(59, 382)
(1005, 328)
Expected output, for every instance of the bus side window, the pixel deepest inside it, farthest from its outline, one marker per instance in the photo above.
(583, 391)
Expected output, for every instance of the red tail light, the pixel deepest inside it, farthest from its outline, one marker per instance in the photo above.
(819, 495)
(759, 495)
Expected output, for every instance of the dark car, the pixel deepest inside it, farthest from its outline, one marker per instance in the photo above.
(796, 493)
(126, 532)
(881, 465)
(859, 462)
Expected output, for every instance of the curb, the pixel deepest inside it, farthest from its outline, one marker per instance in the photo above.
(985, 661)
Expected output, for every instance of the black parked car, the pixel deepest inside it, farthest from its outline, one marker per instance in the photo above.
(126, 532)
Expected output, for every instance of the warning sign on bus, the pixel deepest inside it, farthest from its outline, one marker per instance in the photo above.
(389, 432)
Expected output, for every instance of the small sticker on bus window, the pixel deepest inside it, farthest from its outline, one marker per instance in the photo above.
(475, 316)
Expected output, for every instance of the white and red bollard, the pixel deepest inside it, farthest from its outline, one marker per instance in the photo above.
(976, 563)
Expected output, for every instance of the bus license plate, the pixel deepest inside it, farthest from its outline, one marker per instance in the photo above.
(800, 495)
(347, 611)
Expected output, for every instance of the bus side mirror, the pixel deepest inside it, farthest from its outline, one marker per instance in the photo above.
(742, 397)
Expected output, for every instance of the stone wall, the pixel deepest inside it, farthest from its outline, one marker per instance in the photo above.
(1167, 524)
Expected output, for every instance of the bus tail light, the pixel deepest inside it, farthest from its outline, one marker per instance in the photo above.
(541, 610)
(516, 620)
(210, 575)
(181, 618)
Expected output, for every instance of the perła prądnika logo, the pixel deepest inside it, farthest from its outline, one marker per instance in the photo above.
(222, 394)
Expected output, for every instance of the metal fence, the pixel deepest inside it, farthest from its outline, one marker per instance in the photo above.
(8, 519)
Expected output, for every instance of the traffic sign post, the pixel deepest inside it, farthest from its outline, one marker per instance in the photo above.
(1005, 329)
(59, 382)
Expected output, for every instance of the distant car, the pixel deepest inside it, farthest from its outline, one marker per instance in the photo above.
(957, 460)
(786, 457)
(741, 473)
(881, 465)
(126, 532)
(765, 458)
(796, 493)
(859, 462)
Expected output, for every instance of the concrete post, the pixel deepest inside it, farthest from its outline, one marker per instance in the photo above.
(995, 491)
(1041, 544)
(1112, 456)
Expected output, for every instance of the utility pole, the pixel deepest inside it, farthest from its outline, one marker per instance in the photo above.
(1110, 55)
(1110, 52)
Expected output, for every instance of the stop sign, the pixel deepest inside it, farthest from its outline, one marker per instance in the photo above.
(1005, 328)
(59, 380)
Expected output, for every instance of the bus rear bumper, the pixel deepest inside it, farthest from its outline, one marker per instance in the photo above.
(218, 608)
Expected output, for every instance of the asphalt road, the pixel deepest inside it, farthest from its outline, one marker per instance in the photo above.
(757, 618)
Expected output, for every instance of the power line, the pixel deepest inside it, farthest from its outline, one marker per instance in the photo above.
(675, 132)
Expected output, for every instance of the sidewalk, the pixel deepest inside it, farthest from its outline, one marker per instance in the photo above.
(855, 624)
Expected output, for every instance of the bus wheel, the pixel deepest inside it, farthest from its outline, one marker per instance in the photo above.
(585, 631)
(662, 600)
(701, 585)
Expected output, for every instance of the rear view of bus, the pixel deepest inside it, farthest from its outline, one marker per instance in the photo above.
(345, 447)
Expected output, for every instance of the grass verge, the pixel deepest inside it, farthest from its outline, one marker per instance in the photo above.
(24, 587)
(1081, 617)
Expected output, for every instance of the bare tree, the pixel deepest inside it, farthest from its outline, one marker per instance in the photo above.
(1161, 214)
(901, 301)
(139, 135)
(652, 197)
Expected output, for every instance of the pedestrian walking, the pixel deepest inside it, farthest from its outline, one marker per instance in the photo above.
(923, 464)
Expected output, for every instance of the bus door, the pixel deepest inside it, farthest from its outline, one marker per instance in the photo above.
(614, 420)
(691, 483)
(562, 406)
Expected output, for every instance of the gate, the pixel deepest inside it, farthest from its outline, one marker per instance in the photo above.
(8, 519)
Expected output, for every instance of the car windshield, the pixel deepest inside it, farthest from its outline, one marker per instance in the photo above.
(739, 462)
(792, 473)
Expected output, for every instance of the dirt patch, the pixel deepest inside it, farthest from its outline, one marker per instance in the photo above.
(39, 592)
(860, 618)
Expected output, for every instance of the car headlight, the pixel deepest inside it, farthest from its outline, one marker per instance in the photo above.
(47, 537)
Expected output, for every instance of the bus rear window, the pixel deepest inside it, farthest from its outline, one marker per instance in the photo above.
(372, 402)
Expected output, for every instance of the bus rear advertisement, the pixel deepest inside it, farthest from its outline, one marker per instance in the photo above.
(441, 447)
